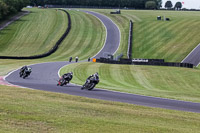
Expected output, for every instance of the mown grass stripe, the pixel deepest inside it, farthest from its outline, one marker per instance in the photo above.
(166, 82)
(86, 38)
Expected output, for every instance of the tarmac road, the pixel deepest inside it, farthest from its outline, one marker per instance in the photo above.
(193, 57)
(44, 77)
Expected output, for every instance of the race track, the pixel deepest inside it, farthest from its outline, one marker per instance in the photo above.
(193, 57)
(44, 77)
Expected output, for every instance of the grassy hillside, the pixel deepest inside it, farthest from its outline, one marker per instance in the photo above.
(85, 39)
(171, 40)
(167, 82)
(24, 110)
(33, 34)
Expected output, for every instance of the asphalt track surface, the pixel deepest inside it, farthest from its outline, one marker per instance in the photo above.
(193, 57)
(44, 78)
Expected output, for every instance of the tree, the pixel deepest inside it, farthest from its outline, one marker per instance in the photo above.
(3, 9)
(168, 5)
(150, 5)
(158, 3)
(178, 5)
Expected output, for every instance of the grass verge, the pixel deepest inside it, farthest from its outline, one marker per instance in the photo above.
(33, 34)
(23, 110)
(170, 40)
(166, 82)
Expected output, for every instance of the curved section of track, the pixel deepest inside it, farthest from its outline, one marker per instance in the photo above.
(112, 38)
(193, 57)
(44, 77)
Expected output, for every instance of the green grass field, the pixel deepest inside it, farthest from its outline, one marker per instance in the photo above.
(33, 34)
(38, 32)
(24, 110)
(85, 39)
(169, 40)
(166, 82)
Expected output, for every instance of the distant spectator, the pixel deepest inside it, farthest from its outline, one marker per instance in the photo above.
(77, 59)
(70, 59)
(89, 59)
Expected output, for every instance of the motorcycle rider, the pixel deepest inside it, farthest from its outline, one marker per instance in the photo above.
(22, 70)
(96, 76)
(25, 69)
(68, 76)
(28, 70)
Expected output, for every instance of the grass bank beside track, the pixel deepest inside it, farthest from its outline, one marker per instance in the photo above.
(85, 39)
(33, 34)
(166, 82)
(24, 110)
(170, 40)
(123, 23)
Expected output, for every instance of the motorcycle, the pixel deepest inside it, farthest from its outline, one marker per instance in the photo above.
(62, 81)
(25, 74)
(90, 84)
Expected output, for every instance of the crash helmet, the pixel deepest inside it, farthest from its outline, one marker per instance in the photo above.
(96, 74)
(71, 73)
(29, 69)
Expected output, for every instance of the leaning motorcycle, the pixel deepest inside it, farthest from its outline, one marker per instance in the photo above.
(25, 74)
(90, 84)
(62, 81)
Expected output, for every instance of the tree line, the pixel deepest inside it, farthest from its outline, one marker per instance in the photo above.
(8, 7)
(137, 4)
(169, 5)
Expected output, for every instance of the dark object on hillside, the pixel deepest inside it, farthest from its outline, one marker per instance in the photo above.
(167, 19)
(153, 62)
(70, 59)
(77, 59)
(116, 12)
(89, 59)
(159, 18)
(130, 40)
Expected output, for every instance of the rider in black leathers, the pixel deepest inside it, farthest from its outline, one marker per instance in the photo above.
(96, 75)
(68, 76)
(25, 71)
(22, 70)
